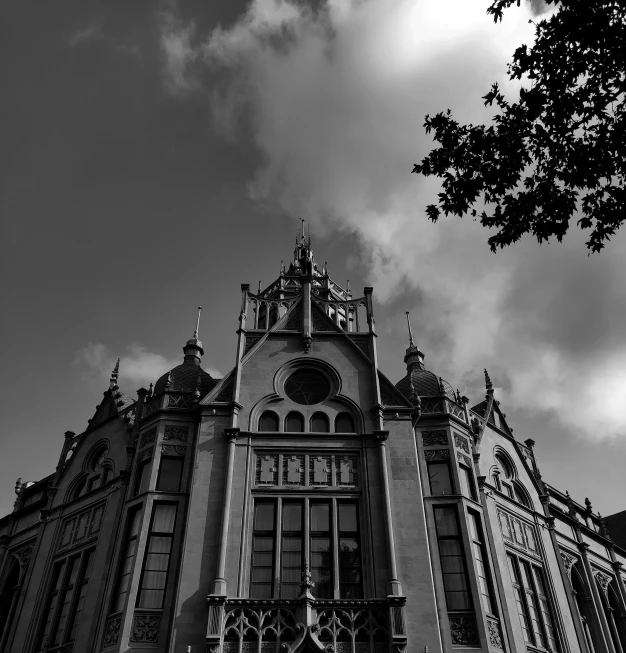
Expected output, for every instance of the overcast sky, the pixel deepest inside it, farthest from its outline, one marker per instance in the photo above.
(157, 155)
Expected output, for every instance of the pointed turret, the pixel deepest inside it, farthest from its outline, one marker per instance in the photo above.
(115, 375)
(193, 348)
(413, 356)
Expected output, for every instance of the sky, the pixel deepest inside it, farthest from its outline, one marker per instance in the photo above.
(157, 154)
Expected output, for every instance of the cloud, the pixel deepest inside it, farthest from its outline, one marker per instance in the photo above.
(138, 366)
(333, 99)
(89, 33)
(94, 32)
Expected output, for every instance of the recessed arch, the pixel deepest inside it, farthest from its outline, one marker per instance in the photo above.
(94, 453)
(344, 423)
(268, 422)
(294, 422)
(319, 423)
(77, 487)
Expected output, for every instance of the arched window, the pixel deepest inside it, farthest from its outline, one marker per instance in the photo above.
(294, 423)
(79, 488)
(344, 423)
(614, 614)
(6, 596)
(520, 495)
(273, 316)
(585, 612)
(319, 423)
(268, 421)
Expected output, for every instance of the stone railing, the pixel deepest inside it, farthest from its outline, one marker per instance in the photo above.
(282, 626)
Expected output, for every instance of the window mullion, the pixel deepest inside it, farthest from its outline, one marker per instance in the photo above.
(307, 532)
(278, 548)
(335, 548)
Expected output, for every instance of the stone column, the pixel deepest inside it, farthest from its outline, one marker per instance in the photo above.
(394, 588)
(219, 584)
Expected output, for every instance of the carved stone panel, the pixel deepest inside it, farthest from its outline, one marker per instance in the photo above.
(81, 527)
(346, 471)
(145, 628)
(293, 470)
(320, 470)
(493, 632)
(518, 532)
(112, 631)
(267, 469)
(464, 631)
(434, 438)
(179, 433)
(461, 442)
(148, 437)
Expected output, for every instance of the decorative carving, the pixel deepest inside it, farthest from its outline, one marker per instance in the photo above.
(603, 581)
(148, 437)
(517, 532)
(346, 471)
(266, 469)
(23, 555)
(444, 453)
(493, 631)
(434, 438)
(180, 450)
(363, 345)
(293, 470)
(464, 631)
(455, 410)
(320, 470)
(112, 631)
(250, 342)
(429, 454)
(83, 526)
(462, 458)
(146, 453)
(246, 628)
(568, 561)
(461, 442)
(180, 401)
(294, 323)
(387, 397)
(368, 628)
(430, 405)
(226, 393)
(153, 405)
(307, 341)
(319, 323)
(145, 629)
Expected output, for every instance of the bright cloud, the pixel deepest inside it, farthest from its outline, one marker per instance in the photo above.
(138, 366)
(334, 100)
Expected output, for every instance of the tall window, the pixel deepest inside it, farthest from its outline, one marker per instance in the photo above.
(142, 479)
(268, 421)
(66, 599)
(466, 480)
(439, 478)
(170, 474)
(319, 423)
(157, 560)
(615, 617)
(532, 603)
(344, 423)
(279, 546)
(453, 568)
(480, 556)
(126, 560)
(294, 423)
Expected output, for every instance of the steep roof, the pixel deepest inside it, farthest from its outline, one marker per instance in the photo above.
(617, 527)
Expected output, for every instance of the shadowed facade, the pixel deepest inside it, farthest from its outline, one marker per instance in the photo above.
(304, 503)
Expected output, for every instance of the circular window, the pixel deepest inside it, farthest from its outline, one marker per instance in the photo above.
(307, 387)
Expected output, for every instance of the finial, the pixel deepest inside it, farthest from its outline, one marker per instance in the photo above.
(18, 485)
(488, 383)
(307, 582)
(326, 268)
(115, 374)
(149, 395)
(348, 286)
(302, 228)
(259, 291)
(408, 321)
(282, 267)
(588, 505)
(195, 334)
(168, 383)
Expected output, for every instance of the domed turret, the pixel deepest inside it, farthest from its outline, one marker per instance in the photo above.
(188, 375)
(418, 380)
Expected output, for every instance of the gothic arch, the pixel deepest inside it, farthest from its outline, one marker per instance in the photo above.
(505, 463)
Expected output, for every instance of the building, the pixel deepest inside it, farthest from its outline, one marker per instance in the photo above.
(304, 503)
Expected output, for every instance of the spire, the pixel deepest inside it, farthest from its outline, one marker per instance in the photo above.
(488, 383)
(114, 375)
(193, 348)
(413, 357)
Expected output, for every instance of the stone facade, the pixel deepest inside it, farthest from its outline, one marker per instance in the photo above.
(304, 503)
